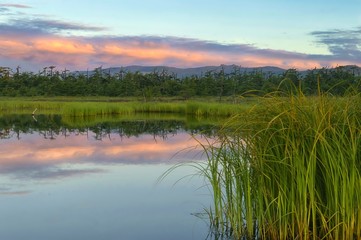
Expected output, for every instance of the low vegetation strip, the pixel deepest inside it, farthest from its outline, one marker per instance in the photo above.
(91, 108)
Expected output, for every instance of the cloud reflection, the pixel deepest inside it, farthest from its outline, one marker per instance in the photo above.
(64, 157)
(59, 173)
(14, 193)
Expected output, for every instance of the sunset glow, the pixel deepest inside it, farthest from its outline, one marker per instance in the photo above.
(31, 37)
(62, 46)
(60, 51)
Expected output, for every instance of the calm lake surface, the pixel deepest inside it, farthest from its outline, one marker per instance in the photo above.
(99, 181)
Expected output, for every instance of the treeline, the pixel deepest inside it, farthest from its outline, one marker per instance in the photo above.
(336, 81)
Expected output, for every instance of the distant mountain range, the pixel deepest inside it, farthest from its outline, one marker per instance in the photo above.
(199, 71)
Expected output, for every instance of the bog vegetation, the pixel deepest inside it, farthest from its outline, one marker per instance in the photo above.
(80, 108)
(288, 169)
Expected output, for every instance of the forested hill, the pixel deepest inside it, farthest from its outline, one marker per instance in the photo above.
(220, 82)
(186, 72)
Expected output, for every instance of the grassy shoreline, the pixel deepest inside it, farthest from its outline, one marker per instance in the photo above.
(115, 106)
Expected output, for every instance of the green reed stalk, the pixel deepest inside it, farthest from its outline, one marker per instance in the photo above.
(289, 169)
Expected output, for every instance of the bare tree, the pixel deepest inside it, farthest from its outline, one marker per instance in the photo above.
(18, 70)
(64, 73)
(51, 70)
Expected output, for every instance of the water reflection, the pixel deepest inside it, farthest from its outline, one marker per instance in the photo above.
(96, 180)
(53, 126)
(35, 155)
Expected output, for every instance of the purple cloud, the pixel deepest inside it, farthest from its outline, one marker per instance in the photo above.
(5, 9)
(37, 41)
(33, 24)
(55, 25)
(38, 26)
(10, 5)
(342, 43)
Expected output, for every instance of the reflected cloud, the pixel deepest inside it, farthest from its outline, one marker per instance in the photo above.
(9, 190)
(56, 173)
(15, 193)
(40, 158)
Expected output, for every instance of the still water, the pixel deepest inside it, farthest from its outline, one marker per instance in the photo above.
(99, 182)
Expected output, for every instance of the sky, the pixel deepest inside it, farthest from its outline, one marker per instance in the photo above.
(80, 34)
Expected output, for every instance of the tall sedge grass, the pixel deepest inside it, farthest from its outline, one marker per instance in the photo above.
(289, 168)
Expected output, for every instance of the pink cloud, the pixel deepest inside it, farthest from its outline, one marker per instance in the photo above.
(62, 46)
(34, 41)
(79, 53)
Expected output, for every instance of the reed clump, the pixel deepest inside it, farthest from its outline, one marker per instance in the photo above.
(289, 168)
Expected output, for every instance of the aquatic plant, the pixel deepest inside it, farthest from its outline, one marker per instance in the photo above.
(289, 168)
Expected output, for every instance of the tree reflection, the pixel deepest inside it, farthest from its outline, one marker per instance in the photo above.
(54, 126)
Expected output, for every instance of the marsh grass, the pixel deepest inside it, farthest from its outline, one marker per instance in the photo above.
(289, 168)
(190, 122)
(82, 108)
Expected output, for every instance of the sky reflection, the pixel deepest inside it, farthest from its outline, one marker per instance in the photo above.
(77, 187)
(33, 153)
